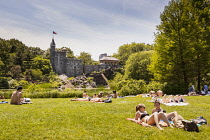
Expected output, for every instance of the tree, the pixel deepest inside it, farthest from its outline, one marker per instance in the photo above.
(200, 39)
(16, 71)
(69, 52)
(137, 66)
(126, 50)
(33, 74)
(178, 49)
(42, 64)
(86, 58)
(4, 83)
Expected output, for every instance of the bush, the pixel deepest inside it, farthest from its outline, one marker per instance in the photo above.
(174, 89)
(121, 84)
(133, 87)
(37, 91)
(113, 83)
(4, 83)
(23, 83)
(6, 93)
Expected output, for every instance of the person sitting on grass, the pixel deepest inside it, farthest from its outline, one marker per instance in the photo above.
(115, 94)
(2, 97)
(95, 96)
(143, 118)
(16, 96)
(152, 93)
(85, 94)
(158, 109)
(100, 94)
(158, 96)
(159, 93)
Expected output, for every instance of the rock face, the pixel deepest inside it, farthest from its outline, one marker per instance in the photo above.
(82, 82)
(89, 80)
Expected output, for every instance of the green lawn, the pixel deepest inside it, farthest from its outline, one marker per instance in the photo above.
(63, 119)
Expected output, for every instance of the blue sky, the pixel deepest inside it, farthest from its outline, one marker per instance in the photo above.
(93, 26)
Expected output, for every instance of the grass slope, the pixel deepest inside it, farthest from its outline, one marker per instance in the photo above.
(64, 119)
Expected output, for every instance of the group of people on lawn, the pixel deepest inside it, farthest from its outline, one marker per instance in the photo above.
(141, 116)
(95, 97)
(162, 98)
(159, 117)
(17, 99)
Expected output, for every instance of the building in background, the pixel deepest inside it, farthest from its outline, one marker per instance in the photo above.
(73, 67)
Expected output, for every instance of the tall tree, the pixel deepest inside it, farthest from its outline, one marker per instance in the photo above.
(86, 58)
(200, 11)
(126, 50)
(42, 64)
(176, 47)
(137, 66)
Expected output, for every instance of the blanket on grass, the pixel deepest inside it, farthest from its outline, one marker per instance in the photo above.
(176, 104)
(3, 102)
(26, 101)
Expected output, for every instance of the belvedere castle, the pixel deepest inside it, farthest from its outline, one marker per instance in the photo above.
(73, 67)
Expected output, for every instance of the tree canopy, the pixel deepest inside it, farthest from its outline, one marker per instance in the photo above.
(182, 44)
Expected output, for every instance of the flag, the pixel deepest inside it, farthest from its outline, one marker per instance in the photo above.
(54, 32)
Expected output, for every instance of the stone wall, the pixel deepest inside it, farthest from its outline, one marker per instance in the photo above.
(71, 67)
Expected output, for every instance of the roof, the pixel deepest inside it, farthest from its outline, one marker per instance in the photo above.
(52, 43)
(109, 58)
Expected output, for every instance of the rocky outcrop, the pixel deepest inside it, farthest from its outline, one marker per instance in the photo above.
(89, 80)
(83, 82)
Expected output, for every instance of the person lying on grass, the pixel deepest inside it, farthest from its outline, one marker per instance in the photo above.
(88, 99)
(143, 118)
(173, 99)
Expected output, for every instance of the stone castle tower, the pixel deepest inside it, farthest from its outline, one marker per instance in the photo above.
(71, 66)
(63, 65)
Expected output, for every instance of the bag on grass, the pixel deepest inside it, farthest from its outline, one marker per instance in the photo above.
(200, 120)
(27, 100)
(107, 101)
(190, 126)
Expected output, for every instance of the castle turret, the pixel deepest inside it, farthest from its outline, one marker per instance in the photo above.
(52, 54)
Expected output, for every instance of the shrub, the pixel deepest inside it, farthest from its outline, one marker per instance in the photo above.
(121, 84)
(22, 83)
(174, 89)
(133, 87)
(13, 83)
(4, 83)
(6, 93)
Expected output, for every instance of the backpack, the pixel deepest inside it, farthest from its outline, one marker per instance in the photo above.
(190, 126)
(107, 101)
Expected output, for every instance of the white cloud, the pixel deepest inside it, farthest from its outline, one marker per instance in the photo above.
(83, 26)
